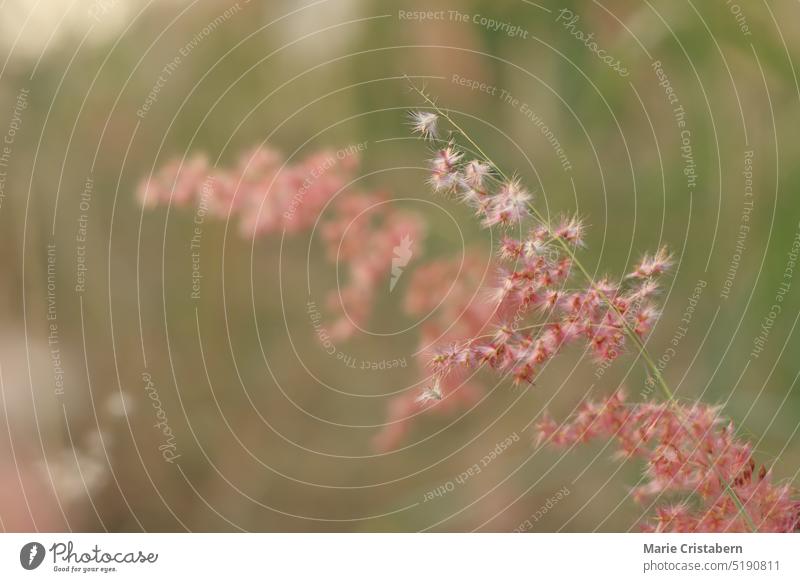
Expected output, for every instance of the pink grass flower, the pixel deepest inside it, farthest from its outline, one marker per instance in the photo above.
(653, 265)
(688, 450)
(445, 173)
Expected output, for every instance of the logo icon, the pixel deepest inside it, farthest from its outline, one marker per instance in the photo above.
(402, 254)
(31, 555)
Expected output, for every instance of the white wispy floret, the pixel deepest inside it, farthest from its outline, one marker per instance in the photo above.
(430, 394)
(424, 123)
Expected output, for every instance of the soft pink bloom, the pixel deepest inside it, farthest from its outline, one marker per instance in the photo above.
(653, 265)
(508, 206)
(362, 237)
(446, 290)
(688, 450)
(180, 181)
(475, 175)
(445, 174)
(260, 189)
(570, 230)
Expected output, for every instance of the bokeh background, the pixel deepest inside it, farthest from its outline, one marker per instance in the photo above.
(271, 433)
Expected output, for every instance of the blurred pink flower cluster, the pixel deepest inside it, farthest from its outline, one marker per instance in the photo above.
(444, 292)
(689, 450)
(366, 235)
(261, 190)
(267, 195)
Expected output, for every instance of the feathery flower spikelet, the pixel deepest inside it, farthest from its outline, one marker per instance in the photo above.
(570, 230)
(445, 175)
(651, 266)
(425, 124)
(508, 206)
(475, 175)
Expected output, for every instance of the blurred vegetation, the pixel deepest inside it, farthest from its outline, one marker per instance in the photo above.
(262, 442)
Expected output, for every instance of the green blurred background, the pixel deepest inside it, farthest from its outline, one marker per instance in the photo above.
(263, 444)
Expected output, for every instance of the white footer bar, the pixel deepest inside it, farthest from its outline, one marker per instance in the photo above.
(402, 557)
